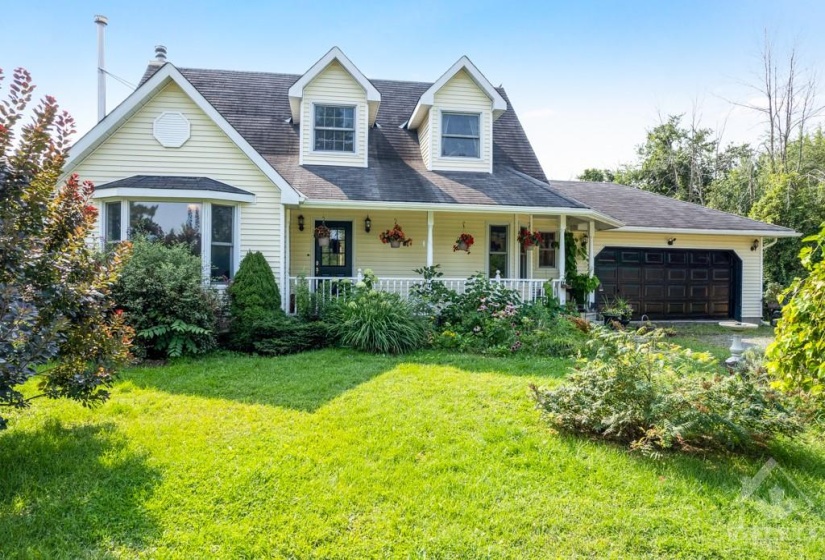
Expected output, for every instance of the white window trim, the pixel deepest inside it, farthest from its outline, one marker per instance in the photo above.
(356, 148)
(206, 229)
(441, 113)
(488, 225)
(556, 250)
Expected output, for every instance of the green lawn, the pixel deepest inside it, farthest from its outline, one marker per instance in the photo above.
(334, 454)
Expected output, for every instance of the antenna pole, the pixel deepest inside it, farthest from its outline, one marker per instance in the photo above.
(101, 22)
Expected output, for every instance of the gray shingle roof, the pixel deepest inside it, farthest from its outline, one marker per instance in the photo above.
(637, 208)
(172, 183)
(256, 104)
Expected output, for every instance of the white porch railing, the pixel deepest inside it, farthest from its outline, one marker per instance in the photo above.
(328, 288)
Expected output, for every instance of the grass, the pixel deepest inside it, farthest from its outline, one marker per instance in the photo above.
(334, 454)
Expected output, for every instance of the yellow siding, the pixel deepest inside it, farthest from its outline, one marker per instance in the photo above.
(751, 269)
(368, 251)
(446, 230)
(133, 150)
(424, 141)
(334, 86)
(461, 94)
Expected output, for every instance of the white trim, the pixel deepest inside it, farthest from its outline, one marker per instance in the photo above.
(128, 192)
(591, 257)
(430, 248)
(141, 96)
(461, 208)
(332, 153)
(561, 261)
(700, 231)
(296, 92)
(427, 99)
(206, 241)
(283, 277)
(441, 155)
(488, 225)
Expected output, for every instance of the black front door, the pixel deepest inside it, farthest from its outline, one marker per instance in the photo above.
(335, 259)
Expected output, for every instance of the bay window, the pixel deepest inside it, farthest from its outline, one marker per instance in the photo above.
(208, 230)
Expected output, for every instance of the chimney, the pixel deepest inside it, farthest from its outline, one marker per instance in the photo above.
(160, 56)
(101, 22)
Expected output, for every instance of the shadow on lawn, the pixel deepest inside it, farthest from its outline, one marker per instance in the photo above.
(309, 380)
(65, 492)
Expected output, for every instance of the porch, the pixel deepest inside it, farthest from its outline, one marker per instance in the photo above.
(355, 246)
(328, 288)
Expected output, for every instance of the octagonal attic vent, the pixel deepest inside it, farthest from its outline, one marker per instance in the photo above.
(172, 130)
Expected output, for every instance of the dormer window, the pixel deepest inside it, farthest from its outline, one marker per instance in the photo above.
(460, 135)
(334, 128)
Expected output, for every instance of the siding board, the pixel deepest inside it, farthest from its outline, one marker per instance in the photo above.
(133, 150)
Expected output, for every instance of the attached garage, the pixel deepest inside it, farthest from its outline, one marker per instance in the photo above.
(672, 283)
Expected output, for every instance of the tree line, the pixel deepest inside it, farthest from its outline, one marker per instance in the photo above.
(779, 179)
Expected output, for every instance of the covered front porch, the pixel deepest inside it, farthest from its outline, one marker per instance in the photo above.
(355, 246)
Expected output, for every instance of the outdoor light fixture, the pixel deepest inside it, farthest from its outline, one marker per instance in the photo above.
(755, 245)
(671, 240)
(367, 224)
(300, 222)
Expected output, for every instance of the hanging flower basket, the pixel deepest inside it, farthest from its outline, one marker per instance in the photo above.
(322, 235)
(529, 239)
(395, 237)
(463, 243)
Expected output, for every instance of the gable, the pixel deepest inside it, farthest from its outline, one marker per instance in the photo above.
(462, 92)
(133, 149)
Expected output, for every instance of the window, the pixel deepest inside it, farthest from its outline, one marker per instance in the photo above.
(169, 222)
(334, 128)
(459, 135)
(498, 251)
(222, 249)
(547, 250)
(113, 223)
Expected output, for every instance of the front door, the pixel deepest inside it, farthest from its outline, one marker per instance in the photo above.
(335, 259)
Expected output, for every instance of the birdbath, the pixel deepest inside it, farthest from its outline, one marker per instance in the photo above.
(736, 347)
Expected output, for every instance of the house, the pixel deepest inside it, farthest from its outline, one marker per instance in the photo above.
(247, 161)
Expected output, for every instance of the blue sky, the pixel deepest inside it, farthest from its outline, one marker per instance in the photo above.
(587, 78)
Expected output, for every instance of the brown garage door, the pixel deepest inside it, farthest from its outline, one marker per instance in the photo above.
(670, 283)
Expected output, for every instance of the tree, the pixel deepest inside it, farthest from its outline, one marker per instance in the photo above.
(595, 175)
(788, 102)
(253, 298)
(797, 357)
(55, 299)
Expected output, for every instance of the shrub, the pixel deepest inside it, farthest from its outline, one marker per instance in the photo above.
(253, 298)
(288, 335)
(797, 356)
(163, 298)
(656, 396)
(375, 321)
(55, 287)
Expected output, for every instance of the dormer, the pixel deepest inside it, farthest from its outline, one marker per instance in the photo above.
(335, 105)
(454, 119)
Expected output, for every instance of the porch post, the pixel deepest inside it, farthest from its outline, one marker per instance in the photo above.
(430, 224)
(562, 271)
(530, 254)
(284, 273)
(591, 246)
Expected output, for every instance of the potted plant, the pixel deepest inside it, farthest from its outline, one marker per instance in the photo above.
(395, 237)
(322, 235)
(529, 239)
(619, 310)
(463, 243)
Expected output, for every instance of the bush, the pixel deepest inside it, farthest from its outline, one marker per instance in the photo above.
(287, 335)
(378, 322)
(797, 356)
(253, 298)
(656, 396)
(163, 298)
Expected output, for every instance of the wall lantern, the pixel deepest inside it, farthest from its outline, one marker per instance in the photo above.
(301, 222)
(755, 245)
(671, 240)
(367, 224)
